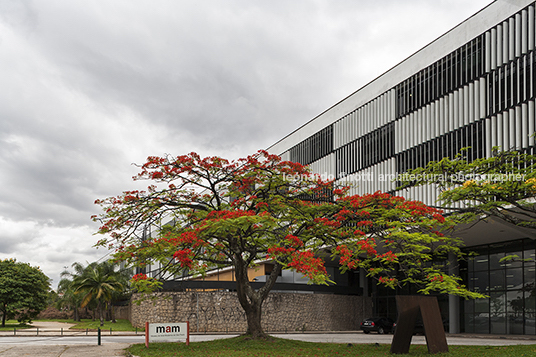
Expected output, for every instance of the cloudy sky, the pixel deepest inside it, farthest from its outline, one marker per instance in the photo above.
(89, 87)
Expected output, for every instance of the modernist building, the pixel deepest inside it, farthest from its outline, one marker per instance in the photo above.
(473, 86)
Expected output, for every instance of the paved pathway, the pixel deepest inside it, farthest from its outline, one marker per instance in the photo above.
(49, 343)
(361, 338)
(55, 349)
(113, 349)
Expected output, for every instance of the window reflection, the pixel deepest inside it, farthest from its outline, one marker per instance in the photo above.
(510, 285)
(514, 278)
(496, 278)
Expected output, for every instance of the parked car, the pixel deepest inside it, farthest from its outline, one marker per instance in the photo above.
(379, 324)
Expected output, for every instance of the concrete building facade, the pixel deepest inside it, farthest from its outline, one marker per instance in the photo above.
(474, 86)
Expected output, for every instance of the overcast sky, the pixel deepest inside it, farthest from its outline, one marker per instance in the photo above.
(89, 87)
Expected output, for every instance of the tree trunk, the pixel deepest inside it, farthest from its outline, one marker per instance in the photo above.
(254, 320)
(4, 313)
(101, 315)
(251, 300)
(112, 313)
(76, 316)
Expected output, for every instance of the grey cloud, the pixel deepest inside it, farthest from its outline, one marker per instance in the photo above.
(90, 87)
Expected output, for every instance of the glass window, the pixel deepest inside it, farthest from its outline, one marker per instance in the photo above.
(514, 306)
(498, 324)
(469, 323)
(514, 303)
(497, 280)
(480, 281)
(497, 303)
(530, 312)
(530, 277)
(529, 257)
(481, 262)
(481, 324)
(482, 305)
(494, 261)
(515, 324)
(515, 262)
(469, 306)
(514, 278)
(511, 285)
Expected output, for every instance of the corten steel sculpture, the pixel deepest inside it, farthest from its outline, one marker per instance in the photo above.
(408, 311)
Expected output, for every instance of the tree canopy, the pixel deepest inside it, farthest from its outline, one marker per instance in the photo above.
(502, 186)
(213, 213)
(23, 290)
(97, 284)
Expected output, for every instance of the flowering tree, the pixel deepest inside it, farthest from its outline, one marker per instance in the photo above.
(399, 242)
(501, 186)
(215, 213)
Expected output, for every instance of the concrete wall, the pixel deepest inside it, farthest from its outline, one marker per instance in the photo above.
(122, 312)
(221, 311)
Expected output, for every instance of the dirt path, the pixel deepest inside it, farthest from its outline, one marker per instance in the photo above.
(52, 325)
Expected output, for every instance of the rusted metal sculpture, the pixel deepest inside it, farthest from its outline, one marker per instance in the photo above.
(408, 310)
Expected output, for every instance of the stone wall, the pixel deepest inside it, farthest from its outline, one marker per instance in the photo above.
(122, 312)
(283, 312)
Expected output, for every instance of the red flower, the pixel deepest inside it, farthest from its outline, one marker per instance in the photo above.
(139, 277)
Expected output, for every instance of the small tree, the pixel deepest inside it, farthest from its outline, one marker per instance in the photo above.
(23, 290)
(215, 213)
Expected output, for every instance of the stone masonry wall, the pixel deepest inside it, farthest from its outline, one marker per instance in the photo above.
(281, 312)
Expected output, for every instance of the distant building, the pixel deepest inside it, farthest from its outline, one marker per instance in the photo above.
(474, 86)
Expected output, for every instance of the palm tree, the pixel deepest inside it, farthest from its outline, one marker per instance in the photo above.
(68, 298)
(67, 288)
(120, 275)
(98, 282)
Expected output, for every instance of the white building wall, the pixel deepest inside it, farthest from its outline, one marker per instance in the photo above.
(507, 30)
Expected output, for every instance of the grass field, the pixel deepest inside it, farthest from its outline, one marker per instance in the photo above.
(11, 324)
(240, 346)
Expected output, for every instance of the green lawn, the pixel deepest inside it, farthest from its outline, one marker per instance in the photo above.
(11, 324)
(240, 346)
(120, 325)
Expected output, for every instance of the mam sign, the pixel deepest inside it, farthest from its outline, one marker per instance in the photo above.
(167, 332)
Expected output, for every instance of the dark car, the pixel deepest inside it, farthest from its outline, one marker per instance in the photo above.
(379, 324)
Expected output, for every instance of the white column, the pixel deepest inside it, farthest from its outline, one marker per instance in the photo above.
(530, 34)
(512, 128)
(487, 53)
(506, 130)
(499, 46)
(500, 133)
(524, 31)
(531, 122)
(471, 102)
(487, 131)
(482, 100)
(518, 128)
(524, 126)
(493, 49)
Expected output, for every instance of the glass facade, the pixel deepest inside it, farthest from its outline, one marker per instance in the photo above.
(509, 283)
